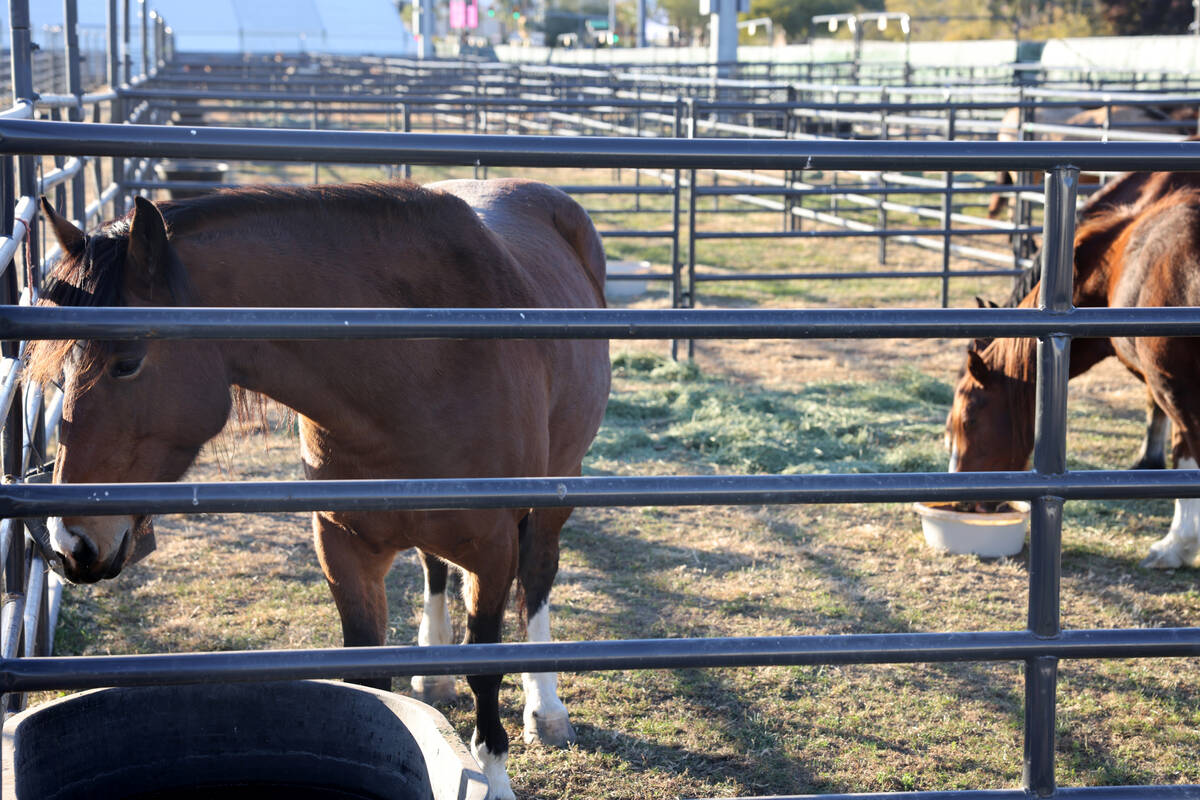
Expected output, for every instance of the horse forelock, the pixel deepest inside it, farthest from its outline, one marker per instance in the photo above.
(89, 278)
(94, 277)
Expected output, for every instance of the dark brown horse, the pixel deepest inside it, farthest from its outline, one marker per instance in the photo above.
(368, 409)
(1145, 254)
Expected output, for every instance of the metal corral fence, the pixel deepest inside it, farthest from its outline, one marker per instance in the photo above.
(936, 212)
(29, 143)
(1047, 486)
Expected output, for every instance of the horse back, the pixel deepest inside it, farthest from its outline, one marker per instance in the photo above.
(541, 227)
(1158, 254)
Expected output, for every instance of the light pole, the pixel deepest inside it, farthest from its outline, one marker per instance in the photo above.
(857, 22)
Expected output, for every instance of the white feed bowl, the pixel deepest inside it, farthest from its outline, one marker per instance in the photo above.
(988, 535)
(622, 288)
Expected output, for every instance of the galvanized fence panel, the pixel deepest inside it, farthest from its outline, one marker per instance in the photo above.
(1048, 485)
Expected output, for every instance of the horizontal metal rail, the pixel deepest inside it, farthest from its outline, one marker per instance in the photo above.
(79, 672)
(69, 322)
(38, 137)
(74, 499)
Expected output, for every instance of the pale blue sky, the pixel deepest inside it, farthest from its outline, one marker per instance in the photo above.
(351, 26)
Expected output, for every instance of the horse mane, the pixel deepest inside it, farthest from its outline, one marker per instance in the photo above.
(93, 277)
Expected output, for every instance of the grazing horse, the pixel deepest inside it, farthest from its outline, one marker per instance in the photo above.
(1125, 256)
(1128, 189)
(140, 411)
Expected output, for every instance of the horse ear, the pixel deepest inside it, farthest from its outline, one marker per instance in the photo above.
(976, 367)
(147, 246)
(979, 301)
(993, 304)
(69, 237)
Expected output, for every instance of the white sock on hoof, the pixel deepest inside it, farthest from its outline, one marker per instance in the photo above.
(494, 768)
(545, 714)
(1181, 544)
(435, 629)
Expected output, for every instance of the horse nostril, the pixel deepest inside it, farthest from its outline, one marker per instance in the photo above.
(83, 552)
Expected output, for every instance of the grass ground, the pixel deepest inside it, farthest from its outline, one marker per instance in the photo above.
(233, 582)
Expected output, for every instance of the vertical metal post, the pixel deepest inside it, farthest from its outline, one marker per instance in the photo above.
(947, 212)
(126, 56)
(676, 221)
(687, 298)
(75, 112)
(882, 216)
(145, 15)
(405, 127)
(312, 90)
(12, 435)
(114, 53)
(1049, 458)
(114, 81)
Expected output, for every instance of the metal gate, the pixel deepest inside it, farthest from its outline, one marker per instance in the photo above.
(1047, 486)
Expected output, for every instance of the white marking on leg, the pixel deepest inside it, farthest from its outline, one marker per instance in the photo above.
(1182, 543)
(495, 769)
(435, 620)
(545, 715)
(435, 629)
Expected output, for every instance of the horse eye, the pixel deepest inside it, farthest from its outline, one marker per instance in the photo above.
(125, 368)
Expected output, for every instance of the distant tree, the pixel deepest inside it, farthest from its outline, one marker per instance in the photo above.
(685, 15)
(795, 16)
(1147, 17)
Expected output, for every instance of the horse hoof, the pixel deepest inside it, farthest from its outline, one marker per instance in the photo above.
(1166, 559)
(550, 731)
(434, 688)
(1147, 462)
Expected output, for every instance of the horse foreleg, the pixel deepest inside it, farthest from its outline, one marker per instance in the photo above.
(355, 573)
(485, 596)
(1182, 542)
(546, 717)
(435, 629)
(1153, 454)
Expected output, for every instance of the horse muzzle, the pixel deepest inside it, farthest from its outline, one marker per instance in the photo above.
(80, 558)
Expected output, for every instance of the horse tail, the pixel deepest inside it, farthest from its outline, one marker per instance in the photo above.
(576, 228)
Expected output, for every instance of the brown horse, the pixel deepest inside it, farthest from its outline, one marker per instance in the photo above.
(368, 409)
(1125, 256)
(1128, 189)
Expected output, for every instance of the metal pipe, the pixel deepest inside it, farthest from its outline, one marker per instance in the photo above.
(33, 604)
(40, 137)
(11, 619)
(78, 672)
(34, 500)
(127, 323)
(23, 216)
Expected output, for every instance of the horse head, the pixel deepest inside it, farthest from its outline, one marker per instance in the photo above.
(133, 411)
(985, 430)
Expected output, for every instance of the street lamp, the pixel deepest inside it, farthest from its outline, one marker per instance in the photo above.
(856, 23)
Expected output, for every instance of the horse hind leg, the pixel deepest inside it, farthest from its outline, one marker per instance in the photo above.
(435, 629)
(1153, 454)
(485, 590)
(546, 718)
(1181, 545)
